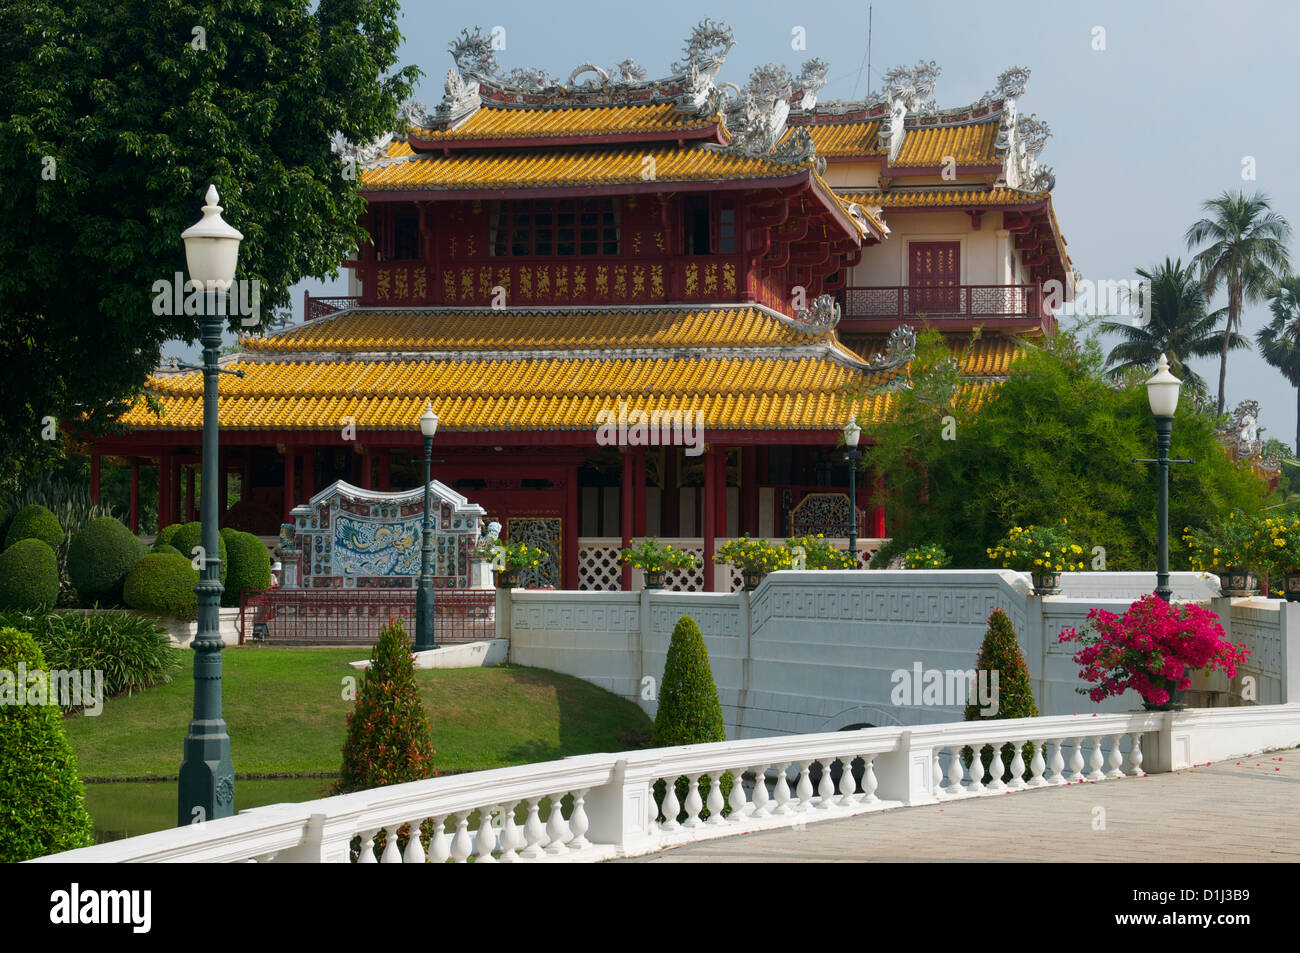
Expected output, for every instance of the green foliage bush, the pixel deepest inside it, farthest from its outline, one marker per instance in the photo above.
(42, 802)
(1000, 652)
(166, 548)
(166, 535)
(250, 566)
(29, 575)
(35, 522)
(163, 583)
(6, 517)
(190, 535)
(133, 652)
(100, 557)
(68, 499)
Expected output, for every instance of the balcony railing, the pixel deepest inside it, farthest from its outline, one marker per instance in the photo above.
(313, 308)
(977, 302)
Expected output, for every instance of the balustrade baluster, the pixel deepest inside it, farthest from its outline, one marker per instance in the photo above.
(976, 769)
(996, 770)
(511, 836)
(671, 806)
(485, 841)
(555, 826)
(1095, 761)
(1115, 758)
(805, 789)
(736, 799)
(936, 773)
(782, 791)
(534, 832)
(1057, 763)
(1135, 756)
(955, 772)
(1017, 782)
(414, 853)
(848, 787)
(1076, 761)
(693, 802)
(869, 783)
(760, 798)
(825, 787)
(1038, 765)
(578, 821)
(462, 845)
(439, 844)
(715, 802)
(391, 854)
(367, 855)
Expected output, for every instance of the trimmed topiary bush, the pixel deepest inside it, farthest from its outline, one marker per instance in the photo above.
(250, 566)
(163, 583)
(1014, 696)
(35, 522)
(99, 559)
(167, 548)
(165, 535)
(44, 804)
(191, 535)
(29, 575)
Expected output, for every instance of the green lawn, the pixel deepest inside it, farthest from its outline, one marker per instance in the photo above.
(285, 712)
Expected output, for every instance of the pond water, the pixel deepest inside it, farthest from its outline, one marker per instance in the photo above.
(128, 808)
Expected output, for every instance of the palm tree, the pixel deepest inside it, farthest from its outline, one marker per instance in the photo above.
(1246, 255)
(1279, 340)
(1178, 326)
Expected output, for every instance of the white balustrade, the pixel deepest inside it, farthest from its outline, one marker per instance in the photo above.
(760, 799)
(1135, 756)
(1017, 782)
(805, 789)
(1038, 765)
(825, 787)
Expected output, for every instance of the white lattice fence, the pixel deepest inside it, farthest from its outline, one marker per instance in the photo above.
(598, 568)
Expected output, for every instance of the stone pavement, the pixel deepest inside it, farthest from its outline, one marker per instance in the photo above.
(1244, 809)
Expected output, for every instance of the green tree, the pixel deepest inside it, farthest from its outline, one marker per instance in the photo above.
(1245, 253)
(1055, 439)
(118, 116)
(1014, 694)
(689, 712)
(1179, 326)
(1279, 340)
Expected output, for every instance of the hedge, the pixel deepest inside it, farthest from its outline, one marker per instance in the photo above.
(99, 559)
(163, 583)
(164, 537)
(29, 575)
(35, 522)
(250, 566)
(190, 535)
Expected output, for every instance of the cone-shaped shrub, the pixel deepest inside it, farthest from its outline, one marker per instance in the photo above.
(250, 566)
(1000, 653)
(42, 802)
(29, 575)
(100, 557)
(35, 522)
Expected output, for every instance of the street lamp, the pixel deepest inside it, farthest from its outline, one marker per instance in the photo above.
(1162, 393)
(424, 634)
(207, 776)
(852, 434)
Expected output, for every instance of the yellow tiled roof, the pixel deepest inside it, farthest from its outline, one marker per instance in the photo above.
(958, 197)
(493, 122)
(612, 165)
(836, 139)
(968, 144)
(541, 330)
(990, 357)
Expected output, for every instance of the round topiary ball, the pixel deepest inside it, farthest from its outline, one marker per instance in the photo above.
(165, 548)
(35, 522)
(166, 534)
(163, 583)
(29, 575)
(250, 566)
(191, 535)
(100, 557)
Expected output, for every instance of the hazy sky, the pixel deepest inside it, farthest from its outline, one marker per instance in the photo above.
(1144, 131)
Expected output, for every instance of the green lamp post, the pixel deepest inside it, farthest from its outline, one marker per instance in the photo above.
(425, 638)
(207, 776)
(852, 434)
(1162, 394)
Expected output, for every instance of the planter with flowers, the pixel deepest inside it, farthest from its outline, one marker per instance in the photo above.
(655, 559)
(1153, 648)
(508, 559)
(755, 558)
(1042, 551)
(1230, 548)
(1279, 539)
(931, 556)
(816, 552)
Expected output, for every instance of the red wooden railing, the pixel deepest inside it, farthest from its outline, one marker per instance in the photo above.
(354, 617)
(958, 301)
(320, 307)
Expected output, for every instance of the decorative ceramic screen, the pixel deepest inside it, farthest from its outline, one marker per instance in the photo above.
(350, 538)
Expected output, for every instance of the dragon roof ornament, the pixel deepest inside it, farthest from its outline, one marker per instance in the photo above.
(900, 348)
(822, 315)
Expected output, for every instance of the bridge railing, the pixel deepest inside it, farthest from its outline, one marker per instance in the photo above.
(598, 806)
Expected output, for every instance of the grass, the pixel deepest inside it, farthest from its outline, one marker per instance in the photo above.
(286, 715)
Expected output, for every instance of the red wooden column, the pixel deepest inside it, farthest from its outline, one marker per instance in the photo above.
(670, 504)
(749, 491)
(569, 571)
(625, 521)
(720, 501)
(708, 519)
(134, 519)
(290, 492)
(164, 489)
(367, 470)
(638, 493)
(191, 513)
(94, 478)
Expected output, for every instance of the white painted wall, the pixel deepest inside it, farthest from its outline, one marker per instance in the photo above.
(984, 258)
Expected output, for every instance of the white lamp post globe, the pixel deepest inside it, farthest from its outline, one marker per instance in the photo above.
(1162, 390)
(428, 421)
(852, 433)
(212, 247)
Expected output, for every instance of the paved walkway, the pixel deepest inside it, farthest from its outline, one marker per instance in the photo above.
(1239, 810)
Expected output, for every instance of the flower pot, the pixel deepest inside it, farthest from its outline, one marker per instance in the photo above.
(1291, 585)
(1238, 581)
(507, 579)
(1046, 583)
(1175, 702)
(654, 580)
(752, 578)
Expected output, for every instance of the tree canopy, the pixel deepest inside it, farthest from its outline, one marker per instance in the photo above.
(1055, 439)
(118, 117)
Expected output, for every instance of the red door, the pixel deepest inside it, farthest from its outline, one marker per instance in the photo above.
(934, 273)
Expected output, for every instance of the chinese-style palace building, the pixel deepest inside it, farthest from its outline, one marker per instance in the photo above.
(548, 256)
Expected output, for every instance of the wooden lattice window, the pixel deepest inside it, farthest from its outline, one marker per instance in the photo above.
(542, 228)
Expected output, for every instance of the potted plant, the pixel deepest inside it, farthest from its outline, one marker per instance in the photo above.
(654, 560)
(816, 552)
(508, 558)
(1152, 648)
(755, 558)
(1229, 548)
(1280, 549)
(929, 556)
(1042, 551)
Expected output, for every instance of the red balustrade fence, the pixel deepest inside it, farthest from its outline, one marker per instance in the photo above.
(351, 617)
